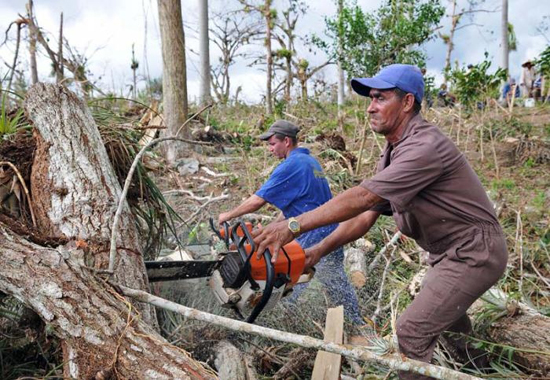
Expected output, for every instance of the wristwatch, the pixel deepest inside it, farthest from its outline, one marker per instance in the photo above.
(294, 226)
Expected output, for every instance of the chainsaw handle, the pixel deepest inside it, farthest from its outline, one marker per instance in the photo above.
(217, 232)
(269, 283)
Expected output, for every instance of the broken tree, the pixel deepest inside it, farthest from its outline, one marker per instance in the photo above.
(75, 195)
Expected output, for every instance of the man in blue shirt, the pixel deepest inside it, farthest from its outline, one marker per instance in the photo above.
(296, 186)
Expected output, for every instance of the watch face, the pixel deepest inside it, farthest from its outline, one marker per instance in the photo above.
(294, 226)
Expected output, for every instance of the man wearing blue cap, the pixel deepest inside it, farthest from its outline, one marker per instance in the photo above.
(435, 197)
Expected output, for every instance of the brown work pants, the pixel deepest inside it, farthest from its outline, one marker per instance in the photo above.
(468, 269)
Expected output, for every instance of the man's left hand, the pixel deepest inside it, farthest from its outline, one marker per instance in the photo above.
(272, 237)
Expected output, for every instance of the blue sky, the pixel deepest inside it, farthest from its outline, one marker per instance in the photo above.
(104, 30)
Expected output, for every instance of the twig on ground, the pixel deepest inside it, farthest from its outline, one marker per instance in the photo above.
(211, 200)
(392, 243)
(382, 283)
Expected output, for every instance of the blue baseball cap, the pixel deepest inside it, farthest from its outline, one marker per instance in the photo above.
(405, 77)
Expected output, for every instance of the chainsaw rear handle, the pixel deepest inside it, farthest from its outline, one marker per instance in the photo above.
(224, 237)
(270, 269)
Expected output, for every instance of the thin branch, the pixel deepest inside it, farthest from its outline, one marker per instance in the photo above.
(394, 362)
(392, 242)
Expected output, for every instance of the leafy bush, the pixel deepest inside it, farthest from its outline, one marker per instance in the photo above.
(474, 85)
(9, 124)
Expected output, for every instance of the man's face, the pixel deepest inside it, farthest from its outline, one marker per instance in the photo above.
(279, 148)
(385, 110)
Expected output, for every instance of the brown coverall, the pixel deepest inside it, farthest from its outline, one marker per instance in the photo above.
(437, 199)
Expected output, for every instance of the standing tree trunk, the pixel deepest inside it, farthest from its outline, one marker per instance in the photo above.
(174, 76)
(59, 68)
(341, 82)
(32, 45)
(455, 18)
(75, 194)
(204, 49)
(269, 56)
(504, 31)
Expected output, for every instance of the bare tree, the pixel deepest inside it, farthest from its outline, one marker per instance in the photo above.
(504, 31)
(32, 44)
(134, 66)
(204, 52)
(341, 82)
(230, 33)
(174, 75)
(19, 24)
(59, 68)
(269, 15)
(456, 17)
(285, 35)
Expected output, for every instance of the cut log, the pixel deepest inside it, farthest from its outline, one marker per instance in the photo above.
(230, 362)
(327, 365)
(522, 327)
(515, 325)
(357, 266)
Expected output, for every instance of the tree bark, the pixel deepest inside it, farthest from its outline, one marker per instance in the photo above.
(102, 333)
(174, 75)
(204, 49)
(519, 326)
(76, 194)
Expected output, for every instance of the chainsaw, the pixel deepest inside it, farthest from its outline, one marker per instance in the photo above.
(239, 279)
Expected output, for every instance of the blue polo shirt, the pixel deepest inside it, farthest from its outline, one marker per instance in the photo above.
(296, 186)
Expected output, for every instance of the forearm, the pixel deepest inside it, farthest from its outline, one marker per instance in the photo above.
(343, 207)
(251, 204)
(347, 231)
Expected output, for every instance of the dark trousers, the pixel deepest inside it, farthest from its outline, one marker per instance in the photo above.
(468, 269)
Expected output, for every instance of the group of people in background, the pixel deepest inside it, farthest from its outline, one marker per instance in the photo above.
(531, 85)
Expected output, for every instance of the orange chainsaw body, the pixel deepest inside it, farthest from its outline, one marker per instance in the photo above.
(291, 259)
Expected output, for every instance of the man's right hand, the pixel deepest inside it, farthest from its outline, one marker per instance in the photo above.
(313, 256)
(224, 217)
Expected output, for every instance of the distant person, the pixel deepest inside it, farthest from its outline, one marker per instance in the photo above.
(510, 90)
(298, 185)
(537, 88)
(444, 97)
(527, 79)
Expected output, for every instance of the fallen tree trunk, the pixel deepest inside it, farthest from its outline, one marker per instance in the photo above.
(524, 330)
(515, 326)
(74, 187)
(101, 330)
(75, 197)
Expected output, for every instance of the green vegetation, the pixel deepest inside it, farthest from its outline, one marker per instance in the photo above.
(364, 42)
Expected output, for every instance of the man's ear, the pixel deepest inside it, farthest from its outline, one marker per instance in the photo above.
(409, 102)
